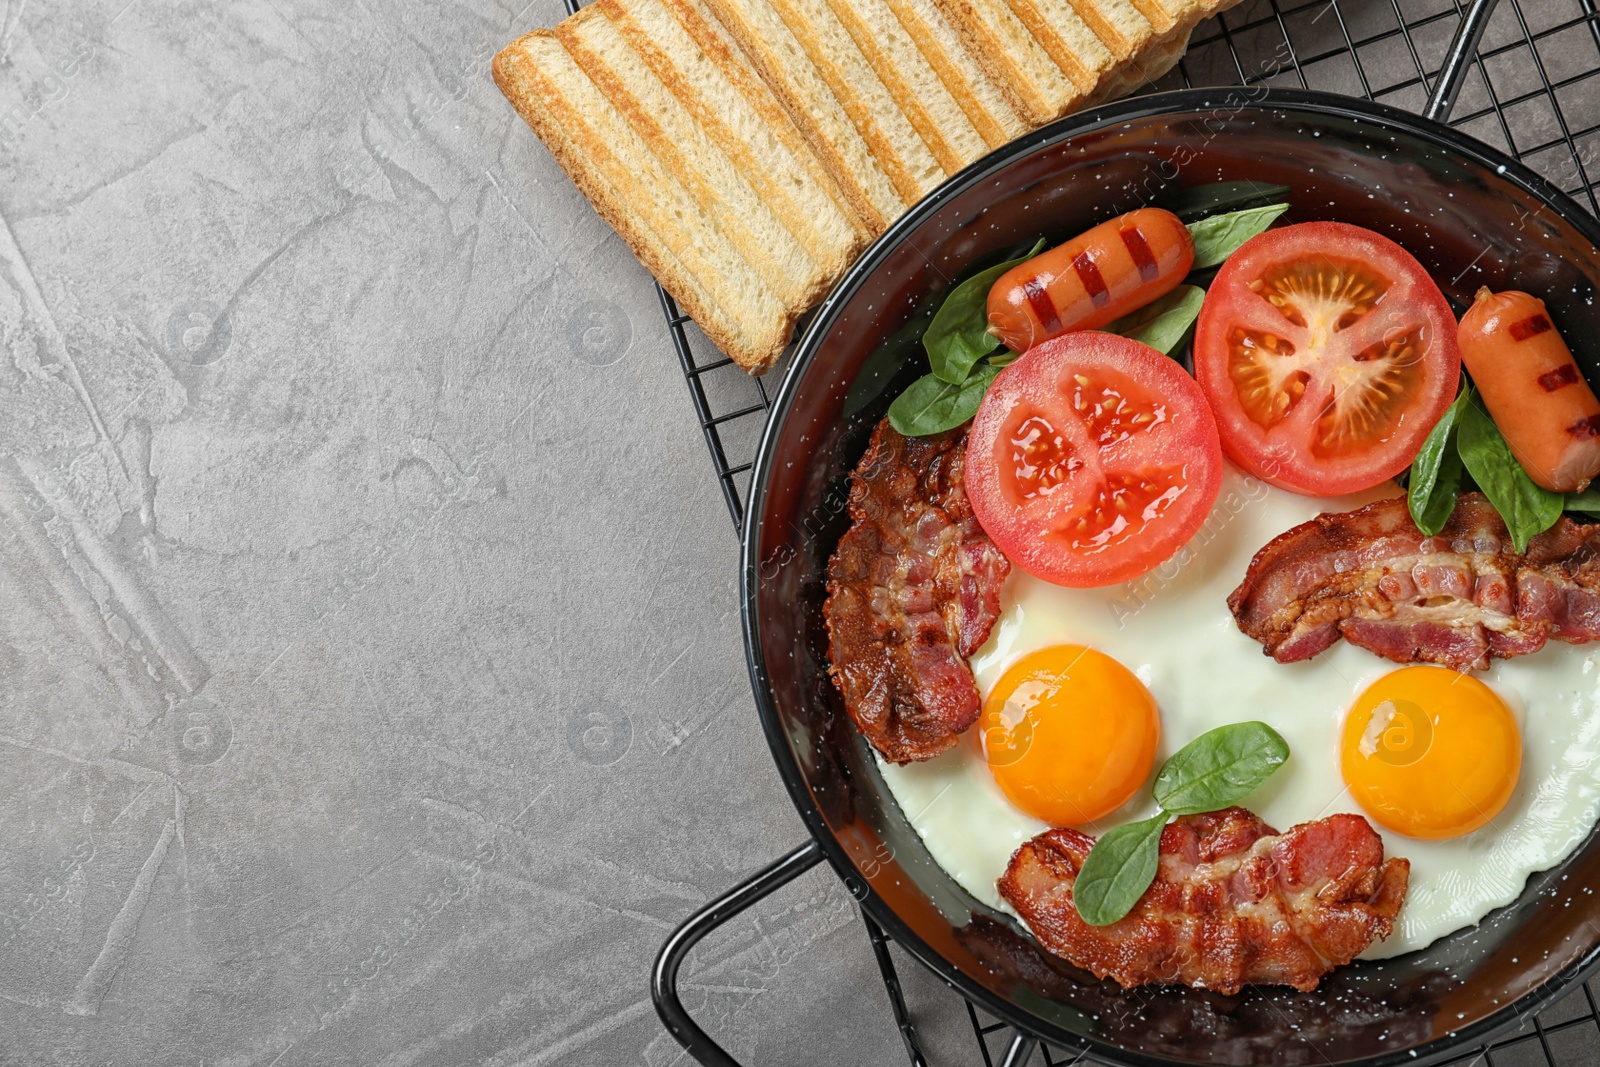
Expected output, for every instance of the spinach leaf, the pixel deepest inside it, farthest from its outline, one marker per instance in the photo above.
(959, 334)
(1585, 503)
(1216, 769)
(1219, 768)
(1163, 323)
(1117, 870)
(1201, 200)
(1526, 507)
(1436, 472)
(1216, 237)
(930, 405)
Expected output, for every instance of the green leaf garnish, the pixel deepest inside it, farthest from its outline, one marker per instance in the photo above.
(1199, 201)
(1216, 237)
(1435, 483)
(1117, 870)
(1217, 769)
(1220, 768)
(1527, 508)
(959, 334)
(931, 405)
(1164, 323)
(1585, 503)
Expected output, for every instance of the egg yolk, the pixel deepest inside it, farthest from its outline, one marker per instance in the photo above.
(1069, 734)
(1431, 753)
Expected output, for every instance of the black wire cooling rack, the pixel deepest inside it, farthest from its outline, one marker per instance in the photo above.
(1531, 88)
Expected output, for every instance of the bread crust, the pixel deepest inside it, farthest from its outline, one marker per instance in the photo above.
(766, 103)
(541, 104)
(793, 290)
(948, 157)
(831, 257)
(991, 127)
(769, 65)
(747, 173)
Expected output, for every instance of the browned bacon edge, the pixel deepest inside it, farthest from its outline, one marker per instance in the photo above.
(1458, 599)
(913, 588)
(1234, 903)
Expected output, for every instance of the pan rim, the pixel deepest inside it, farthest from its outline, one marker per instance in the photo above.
(1330, 105)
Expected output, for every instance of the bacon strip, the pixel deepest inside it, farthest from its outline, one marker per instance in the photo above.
(913, 589)
(1459, 599)
(1233, 903)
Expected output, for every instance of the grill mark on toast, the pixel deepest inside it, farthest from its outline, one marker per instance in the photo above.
(732, 224)
(1155, 12)
(1055, 45)
(997, 120)
(800, 213)
(868, 121)
(766, 97)
(1004, 64)
(909, 100)
(585, 157)
(1117, 43)
(835, 138)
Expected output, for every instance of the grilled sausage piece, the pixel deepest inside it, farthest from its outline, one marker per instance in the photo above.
(1094, 279)
(1531, 386)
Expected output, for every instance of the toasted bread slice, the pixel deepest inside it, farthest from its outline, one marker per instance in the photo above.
(1154, 62)
(1120, 27)
(986, 107)
(709, 40)
(1177, 17)
(1013, 59)
(1145, 67)
(748, 149)
(1070, 43)
(784, 65)
(647, 205)
(912, 82)
(738, 112)
(673, 136)
(1159, 13)
(879, 117)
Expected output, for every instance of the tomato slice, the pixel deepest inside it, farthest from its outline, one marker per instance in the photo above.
(1092, 459)
(1327, 354)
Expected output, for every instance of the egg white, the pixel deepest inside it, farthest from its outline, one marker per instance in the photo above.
(1172, 628)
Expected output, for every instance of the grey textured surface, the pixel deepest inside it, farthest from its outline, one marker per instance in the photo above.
(371, 689)
(370, 682)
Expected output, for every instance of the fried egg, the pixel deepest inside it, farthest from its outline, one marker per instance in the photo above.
(1478, 780)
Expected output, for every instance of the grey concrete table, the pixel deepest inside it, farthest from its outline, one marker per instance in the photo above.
(370, 682)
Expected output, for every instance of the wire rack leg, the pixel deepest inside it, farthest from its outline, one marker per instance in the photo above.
(891, 984)
(664, 979)
(1463, 49)
(1020, 1051)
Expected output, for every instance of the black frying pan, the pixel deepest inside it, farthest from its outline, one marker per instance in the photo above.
(1475, 217)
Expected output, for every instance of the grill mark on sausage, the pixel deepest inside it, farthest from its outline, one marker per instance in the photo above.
(1139, 249)
(1584, 429)
(1045, 308)
(1550, 381)
(1528, 327)
(1093, 284)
